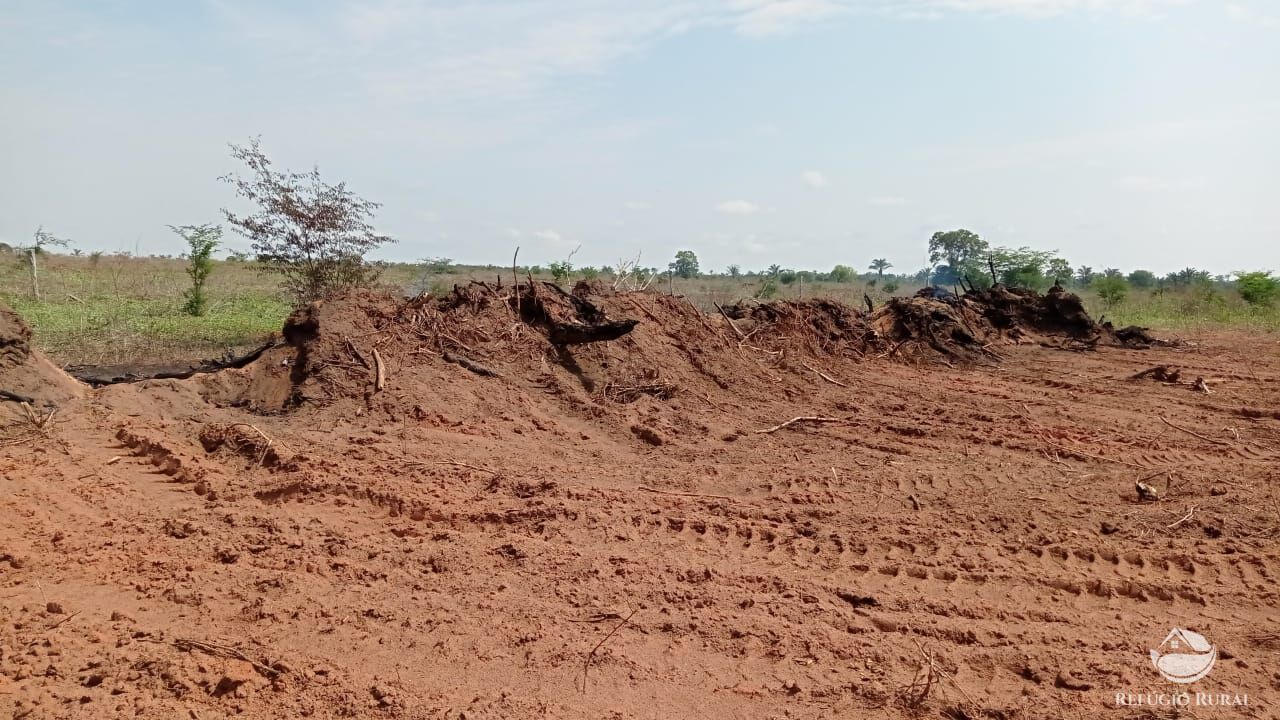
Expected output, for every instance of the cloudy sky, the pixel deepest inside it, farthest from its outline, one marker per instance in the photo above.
(1128, 133)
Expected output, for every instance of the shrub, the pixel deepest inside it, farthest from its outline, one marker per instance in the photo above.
(202, 240)
(1111, 288)
(1257, 288)
(313, 234)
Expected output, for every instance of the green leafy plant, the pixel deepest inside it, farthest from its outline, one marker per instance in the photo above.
(1258, 288)
(202, 241)
(312, 234)
(1112, 289)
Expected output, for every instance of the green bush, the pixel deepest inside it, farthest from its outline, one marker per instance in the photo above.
(1112, 289)
(1257, 288)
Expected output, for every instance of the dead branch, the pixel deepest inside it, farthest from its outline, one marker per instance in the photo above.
(586, 664)
(726, 317)
(1193, 433)
(15, 397)
(515, 281)
(1190, 512)
(1082, 453)
(355, 352)
(453, 463)
(824, 376)
(683, 494)
(379, 371)
(226, 651)
(469, 364)
(802, 419)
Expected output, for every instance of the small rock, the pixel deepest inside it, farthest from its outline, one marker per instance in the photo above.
(1109, 529)
(1146, 493)
(1067, 682)
(54, 608)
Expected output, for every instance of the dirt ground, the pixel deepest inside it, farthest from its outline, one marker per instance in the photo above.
(604, 530)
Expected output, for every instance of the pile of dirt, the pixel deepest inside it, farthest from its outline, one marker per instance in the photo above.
(26, 375)
(934, 324)
(625, 344)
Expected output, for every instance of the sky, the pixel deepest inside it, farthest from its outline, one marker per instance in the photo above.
(807, 133)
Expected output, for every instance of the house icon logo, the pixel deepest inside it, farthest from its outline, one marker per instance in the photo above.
(1184, 657)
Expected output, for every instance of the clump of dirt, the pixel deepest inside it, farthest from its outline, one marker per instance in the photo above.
(933, 323)
(15, 338)
(26, 375)
(1020, 312)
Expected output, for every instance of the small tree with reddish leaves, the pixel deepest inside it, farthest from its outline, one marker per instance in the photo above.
(312, 234)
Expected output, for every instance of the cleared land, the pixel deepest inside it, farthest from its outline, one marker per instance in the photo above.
(113, 310)
(608, 530)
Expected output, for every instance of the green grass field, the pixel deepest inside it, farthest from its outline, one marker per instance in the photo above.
(117, 310)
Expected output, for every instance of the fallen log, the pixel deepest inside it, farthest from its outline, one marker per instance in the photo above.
(113, 375)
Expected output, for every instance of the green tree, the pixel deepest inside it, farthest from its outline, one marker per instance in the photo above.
(773, 270)
(1059, 270)
(842, 274)
(1257, 288)
(202, 241)
(1021, 267)
(1142, 278)
(1111, 288)
(959, 251)
(880, 265)
(787, 277)
(560, 271)
(1189, 276)
(312, 234)
(1084, 274)
(733, 271)
(685, 265)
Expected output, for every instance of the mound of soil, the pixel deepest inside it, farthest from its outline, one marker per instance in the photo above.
(935, 323)
(25, 373)
(358, 345)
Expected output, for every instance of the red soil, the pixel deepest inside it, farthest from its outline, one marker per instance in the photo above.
(510, 529)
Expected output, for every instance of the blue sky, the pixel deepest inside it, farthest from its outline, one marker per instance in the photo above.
(1127, 133)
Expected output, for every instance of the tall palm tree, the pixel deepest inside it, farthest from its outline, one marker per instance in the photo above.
(880, 265)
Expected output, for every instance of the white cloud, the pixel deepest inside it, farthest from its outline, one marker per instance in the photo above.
(1160, 184)
(1246, 14)
(551, 237)
(886, 201)
(637, 205)
(814, 179)
(758, 18)
(411, 52)
(738, 207)
(1030, 8)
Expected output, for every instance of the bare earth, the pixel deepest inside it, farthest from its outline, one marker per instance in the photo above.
(606, 534)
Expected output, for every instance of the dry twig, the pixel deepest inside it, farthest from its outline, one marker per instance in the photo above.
(379, 371)
(802, 419)
(586, 664)
(1194, 433)
(824, 376)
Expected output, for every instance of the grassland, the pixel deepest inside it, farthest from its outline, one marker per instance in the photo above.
(116, 309)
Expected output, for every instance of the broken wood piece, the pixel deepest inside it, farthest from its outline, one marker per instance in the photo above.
(15, 397)
(824, 376)
(469, 364)
(1194, 433)
(726, 317)
(379, 371)
(802, 419)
